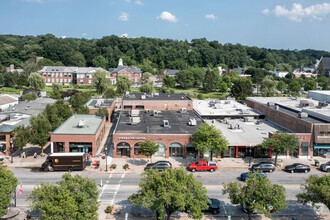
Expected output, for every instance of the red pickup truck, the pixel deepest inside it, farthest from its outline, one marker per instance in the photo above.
(203, 165)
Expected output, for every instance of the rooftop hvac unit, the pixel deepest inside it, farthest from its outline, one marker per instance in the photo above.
(270, 103)
(134, 112)
(156, 94)
(127, 93)
(183, 110)
(277, 107)
(81, 123)
(192, 122)
(147, 110)
(234, 126)
(134, 120)
(155, 113)
(227, 102)
(322, 104)
(248, 119)
(143, 96)
(166, 124)
(225, 120)
(303, 115)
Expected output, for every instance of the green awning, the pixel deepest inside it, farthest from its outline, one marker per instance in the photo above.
(321, 146)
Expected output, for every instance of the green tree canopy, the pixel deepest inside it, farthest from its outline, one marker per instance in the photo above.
(148, 148)
(281, 86)
(257, 194)
(103, 111)
(280, 143)
(7, 187)
(310, 85)
(211, 80)
(22, 80)
(29, 97)
(171, 190)
(57, 113)
(74, 197)
(78, 102)
(185, 78)
(100, 81)
(100, 61)
(208, 138)
(323, 82)
(294, 87)
(146, 88)
(56, 89)
(22, 137)
(36, 81)
(40, 127)
(316, 190)
(123, 84)
(146, 78)
(242, 88)
(268, 86)
(109, 93)
(169, 81)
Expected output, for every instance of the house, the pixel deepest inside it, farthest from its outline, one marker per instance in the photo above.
(68, 75)
(12, 69)
(6, 101)
(170, 72)
(134, 73)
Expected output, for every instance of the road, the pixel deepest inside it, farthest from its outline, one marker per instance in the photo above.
(116, 188)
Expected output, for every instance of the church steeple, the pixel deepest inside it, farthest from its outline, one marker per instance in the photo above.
(120, 63)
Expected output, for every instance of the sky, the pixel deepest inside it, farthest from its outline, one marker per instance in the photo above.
(275, 24)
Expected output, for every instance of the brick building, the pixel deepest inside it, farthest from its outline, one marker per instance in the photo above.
(134, 73)
(95, 104)
(66, 75)
(172, 130)
(79, 133)
(156, 101)
(308, 118)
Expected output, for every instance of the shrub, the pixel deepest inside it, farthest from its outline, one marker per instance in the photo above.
(126, 166)
(29, 97)
(200, 96)
(113, 166)
(109, 209)
(172, 91)
(190, 95)
(164, 90)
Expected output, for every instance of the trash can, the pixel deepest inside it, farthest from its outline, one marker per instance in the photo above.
(317, 163)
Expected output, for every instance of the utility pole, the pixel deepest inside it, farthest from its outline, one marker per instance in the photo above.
(106, 159)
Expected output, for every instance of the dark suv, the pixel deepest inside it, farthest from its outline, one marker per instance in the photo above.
(214, 206)
(264, 166)
(159, 165)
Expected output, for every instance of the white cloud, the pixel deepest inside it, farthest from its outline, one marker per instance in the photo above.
(138, 3)
(33, 1)
(128, 1)
(298, 12)
(125, 35)
(167, 16)
(63, 37)
(83, 34)
(210, 16)
(123, 16)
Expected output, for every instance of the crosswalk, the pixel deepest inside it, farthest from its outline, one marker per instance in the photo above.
(110, 188)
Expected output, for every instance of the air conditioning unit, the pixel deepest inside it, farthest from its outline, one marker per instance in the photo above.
(277, 107)
(155, 113)
(248, 119)
(225, 120)
(147, 110)
(81, 123)
(270, 103)
(192, 122)
(303, 115)
(156, 94)
(134, 120)
(143, 96)
(183, 110)
(166, 124)
(234, 126)
(134, 112)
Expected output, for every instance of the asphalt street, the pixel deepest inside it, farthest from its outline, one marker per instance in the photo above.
(117, 187)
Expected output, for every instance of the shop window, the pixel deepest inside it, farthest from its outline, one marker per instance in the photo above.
(139, 107)
(137, 149)
(176, 150)
(304, 149)
(127, 107)
(123, 149)
(161, 149)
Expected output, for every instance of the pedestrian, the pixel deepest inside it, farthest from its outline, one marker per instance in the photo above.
(35, 155)
(23, 155)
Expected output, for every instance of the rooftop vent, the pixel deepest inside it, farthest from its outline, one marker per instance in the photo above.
(225, 120)
(166, 124)
(155, 113)
(143, 96)
(248, 119)
(134, 112)
(192, 122)
(277, 107)
(81, 123)
(227, 102)
(303, 115)
(322, 104)
(183, 110)
(127, 93)
(270, 104)
(305, 103)
(147, 110)
(134, 120)
(156, 94)
(234, 126)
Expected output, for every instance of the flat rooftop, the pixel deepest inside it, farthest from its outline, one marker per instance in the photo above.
(294, 105)
(245, 133)
(155, 96)
(33, 107)
(99, 103)
(150, 124)
(9, 121)
(223, 108)
(90, 124)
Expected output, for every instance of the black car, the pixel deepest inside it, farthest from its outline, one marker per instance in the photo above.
(297, 167)
(264, 166)
(159, 165)
(214, 206)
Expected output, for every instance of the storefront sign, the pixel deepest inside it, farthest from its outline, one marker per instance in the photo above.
(131, 138)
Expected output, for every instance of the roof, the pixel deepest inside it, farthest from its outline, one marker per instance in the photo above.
(293, 106)
(9, 121)
(90, 125)
(223, 108)
(170, 72)
(132, 69)
(150, 124)
(33, 107)
(246, 133)
(96, 103)
(67, 154)
(4, 99)
(156, 96)
(70, 69)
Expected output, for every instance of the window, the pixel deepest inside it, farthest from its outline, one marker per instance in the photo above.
(89, 81)
(65, 74)
(69, 80)
(57, 80)
(56, 74)
(53, 80)
(69, 74)
(61, 80)
(52, 74)
(49, 80)
(61, 74)
(48, 74)
(81, 81)
(65, 80)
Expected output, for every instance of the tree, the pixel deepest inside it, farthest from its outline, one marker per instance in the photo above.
(211, 80)
(171, 190)
(56, 91)
(29, 97)
(8, 186)
(223, 87)
(22, 80)
(74, 197)
(281, 86)
(30, 66)
(280, 143)
(100, 61)
(207, 137)
(123, 84)
(10, 79)
(268, 86)
(294, 87)
(323, 82)
(36, 81)
(148, 148)
(100, 81)
(146, 77)
(104, 112)
(40, 127)
(169, 81)
(316, 190)
(146, 88)
(185, 78)
(22, 137)
(310, 85)
(109, 93)
(257, 194)
(78, 102)
(242, 88)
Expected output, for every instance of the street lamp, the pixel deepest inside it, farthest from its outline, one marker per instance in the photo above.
(106, 159)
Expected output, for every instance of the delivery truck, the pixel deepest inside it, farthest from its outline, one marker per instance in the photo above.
(64, 162)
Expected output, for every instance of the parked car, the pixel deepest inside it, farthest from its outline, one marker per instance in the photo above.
(325, 167)
(203, 166)
(244, 207)
(244, 176)
(264, 166)
(297, 167)
(214, 206)
(159, 165)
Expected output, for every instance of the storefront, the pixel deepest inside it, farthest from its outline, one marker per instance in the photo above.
(322, 150)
